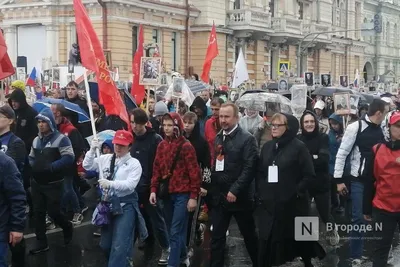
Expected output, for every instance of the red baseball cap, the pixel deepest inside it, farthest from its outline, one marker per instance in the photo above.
(123, 138)
(395, 118)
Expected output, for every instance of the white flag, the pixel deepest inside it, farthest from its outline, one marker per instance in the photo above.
(240, 74)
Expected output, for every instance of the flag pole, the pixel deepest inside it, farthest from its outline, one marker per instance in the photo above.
(147, 99)
(2, 91)
(89, 104)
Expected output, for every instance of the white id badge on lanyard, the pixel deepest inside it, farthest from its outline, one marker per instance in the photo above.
(219, 165)
(273, 174)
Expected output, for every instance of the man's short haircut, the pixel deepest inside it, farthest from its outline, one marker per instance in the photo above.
(377, 105)
(190, 116)
(73, 83)
(233, 106)
(216, 101)
(139, 116)
(61, 109)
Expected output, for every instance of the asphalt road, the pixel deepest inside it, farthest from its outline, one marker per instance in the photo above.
(85, 252)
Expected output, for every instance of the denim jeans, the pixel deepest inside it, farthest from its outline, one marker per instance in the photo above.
(3, 254)
(357, 218)
(154, 218)
(70, 197)
(117, 237)
(177, 215)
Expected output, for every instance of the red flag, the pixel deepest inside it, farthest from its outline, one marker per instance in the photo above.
(212, 52)
(92, 52)
(83, 25)
(6, 67)
(138, 91)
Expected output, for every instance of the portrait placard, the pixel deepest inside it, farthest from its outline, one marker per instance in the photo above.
(354, 100)
(341, 102)
(177, 86)
(309, 78)
(150, 70)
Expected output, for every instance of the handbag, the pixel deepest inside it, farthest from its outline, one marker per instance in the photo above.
(163, 182)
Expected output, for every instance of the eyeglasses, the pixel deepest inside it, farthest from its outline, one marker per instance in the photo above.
(276, 126)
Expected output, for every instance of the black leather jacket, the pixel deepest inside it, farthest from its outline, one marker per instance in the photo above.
(239, 150)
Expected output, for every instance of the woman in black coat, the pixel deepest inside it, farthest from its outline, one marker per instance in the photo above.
(285, 174)
(318, 147)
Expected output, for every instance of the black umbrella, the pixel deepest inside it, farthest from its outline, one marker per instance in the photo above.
(275, 86)
(329, 91)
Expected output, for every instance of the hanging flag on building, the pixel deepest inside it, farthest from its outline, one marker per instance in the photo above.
(6, 67)
(240, 74)
(212, 52)
(138, 90)
(93, 58)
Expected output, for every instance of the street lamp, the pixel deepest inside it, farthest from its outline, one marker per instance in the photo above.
(300, 50)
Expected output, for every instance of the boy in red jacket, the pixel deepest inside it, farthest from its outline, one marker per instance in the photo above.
(184, 181)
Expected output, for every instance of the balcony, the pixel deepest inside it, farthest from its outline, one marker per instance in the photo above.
(246, 19)
(311, 28)
(287, 26)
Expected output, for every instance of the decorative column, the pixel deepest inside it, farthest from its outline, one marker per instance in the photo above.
(10, 35)
(51, 45)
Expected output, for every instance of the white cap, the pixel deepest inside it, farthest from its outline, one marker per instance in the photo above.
(387, 100)
(320, 105)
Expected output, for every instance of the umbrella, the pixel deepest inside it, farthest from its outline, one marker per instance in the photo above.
(257, 101)
(128, 99)
(197, 86)
(47, 102)
(102, 136)
(369, 98)
(329, 91)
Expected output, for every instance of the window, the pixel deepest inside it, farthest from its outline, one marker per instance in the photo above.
(237, 51)
(134, 39)
(301, 9)
(174, 51)
(272, 7)
(236, 4)
(358, 20)
(388, 33)
(155, 36)
(74, 35)
(343, 15)
(395, 33)
(337, 17)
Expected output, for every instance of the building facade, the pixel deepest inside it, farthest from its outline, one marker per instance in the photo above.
(382, 53)
(269, 31)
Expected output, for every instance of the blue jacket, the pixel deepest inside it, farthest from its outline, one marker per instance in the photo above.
(51, 155)
(334, 144)
(14, 147)
(12, 198)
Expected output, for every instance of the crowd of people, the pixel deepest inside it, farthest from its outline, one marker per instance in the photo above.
(182, 169)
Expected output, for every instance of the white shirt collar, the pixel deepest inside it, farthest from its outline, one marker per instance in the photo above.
(231, 131)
